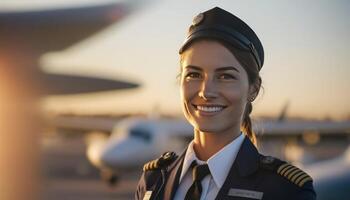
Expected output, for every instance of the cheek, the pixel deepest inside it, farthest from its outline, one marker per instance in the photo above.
(187, 92)
(236, 93)
(183, 93)
(237, 98)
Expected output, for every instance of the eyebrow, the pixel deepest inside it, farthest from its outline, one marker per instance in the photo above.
(218, 69)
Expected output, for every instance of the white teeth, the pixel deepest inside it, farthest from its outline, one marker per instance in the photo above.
(210, 108)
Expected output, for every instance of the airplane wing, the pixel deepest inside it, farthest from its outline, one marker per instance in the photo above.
(72, 124)
(35, 32)
(63, 84)
(57, 29)
(299, 127)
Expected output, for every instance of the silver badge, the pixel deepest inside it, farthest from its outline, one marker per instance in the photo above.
(197, 19)
(245, 193)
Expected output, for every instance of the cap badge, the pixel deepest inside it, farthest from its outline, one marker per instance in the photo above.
(197, 19)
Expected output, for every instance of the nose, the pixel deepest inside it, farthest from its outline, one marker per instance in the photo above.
(208, 89)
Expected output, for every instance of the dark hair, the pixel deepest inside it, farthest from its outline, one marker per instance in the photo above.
(246, 59)
(248, 62)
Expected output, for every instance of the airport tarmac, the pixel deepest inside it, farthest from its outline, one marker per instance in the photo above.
(68, 175)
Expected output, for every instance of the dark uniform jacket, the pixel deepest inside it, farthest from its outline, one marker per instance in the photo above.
(252, 176)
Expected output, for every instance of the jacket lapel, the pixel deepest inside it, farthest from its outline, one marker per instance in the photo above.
(245, 164)
(248, 158)
(172, 182)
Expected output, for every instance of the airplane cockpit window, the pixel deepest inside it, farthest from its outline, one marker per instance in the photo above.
(141, 133)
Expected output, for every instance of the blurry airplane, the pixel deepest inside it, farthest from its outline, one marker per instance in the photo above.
(133, 141)
(332, 177)
(29, 34)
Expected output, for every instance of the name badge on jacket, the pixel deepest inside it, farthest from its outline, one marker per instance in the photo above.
(245, 193)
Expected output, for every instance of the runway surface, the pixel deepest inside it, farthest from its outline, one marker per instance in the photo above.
(68, 175)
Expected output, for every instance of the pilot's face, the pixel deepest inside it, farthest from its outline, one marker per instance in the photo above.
(214, 87)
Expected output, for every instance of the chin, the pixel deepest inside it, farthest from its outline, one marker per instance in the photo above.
(209, 128)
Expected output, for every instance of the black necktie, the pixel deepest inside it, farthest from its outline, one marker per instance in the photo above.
(198, 173)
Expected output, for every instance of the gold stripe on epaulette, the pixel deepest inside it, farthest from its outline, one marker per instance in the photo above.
(288, 171)
(293, 174)
(282, 167)
(154, 165)
(145, 167)
(297, 176)
(151, 165)
(302, 177)
(166, 159)
(308, 178)
(286, 174)
(285, 169)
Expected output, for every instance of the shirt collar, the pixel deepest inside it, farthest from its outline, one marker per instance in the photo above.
(190, 156)
(219, 164)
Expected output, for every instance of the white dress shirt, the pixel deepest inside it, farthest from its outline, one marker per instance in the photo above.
(219, 165)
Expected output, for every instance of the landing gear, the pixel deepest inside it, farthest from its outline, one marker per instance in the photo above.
(110, 177)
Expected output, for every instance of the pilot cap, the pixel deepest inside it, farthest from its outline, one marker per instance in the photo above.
(221, 25)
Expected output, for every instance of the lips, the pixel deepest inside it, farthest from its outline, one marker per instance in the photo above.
(209, 108)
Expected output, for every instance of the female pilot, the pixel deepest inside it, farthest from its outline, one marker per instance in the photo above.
(220, 63)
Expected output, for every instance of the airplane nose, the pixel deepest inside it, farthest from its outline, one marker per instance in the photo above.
(95, 147)
(124, 154)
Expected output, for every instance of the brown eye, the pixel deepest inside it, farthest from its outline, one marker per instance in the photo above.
(226, 76)
(193, 75)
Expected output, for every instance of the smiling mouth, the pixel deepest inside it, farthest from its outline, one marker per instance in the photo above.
(209, 108)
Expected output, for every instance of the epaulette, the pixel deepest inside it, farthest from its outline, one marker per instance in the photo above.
(293, 174)
(288, 171)
(164, 160)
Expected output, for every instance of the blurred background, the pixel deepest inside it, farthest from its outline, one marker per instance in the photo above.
(88, 91)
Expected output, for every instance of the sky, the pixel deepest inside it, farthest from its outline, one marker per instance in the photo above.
(306, 43)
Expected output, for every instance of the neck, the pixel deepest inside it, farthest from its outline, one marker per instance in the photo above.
(206, 144)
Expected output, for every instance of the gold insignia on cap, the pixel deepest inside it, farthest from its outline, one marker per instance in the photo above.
(197, 19)
(294, 174)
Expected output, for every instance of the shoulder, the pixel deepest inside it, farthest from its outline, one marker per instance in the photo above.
(152, 170)
(152, 173)
(162, 162)
(287, 175)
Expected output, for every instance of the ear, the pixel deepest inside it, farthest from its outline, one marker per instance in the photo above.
(252, 93)
(254, 90)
